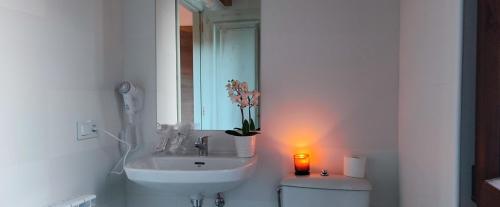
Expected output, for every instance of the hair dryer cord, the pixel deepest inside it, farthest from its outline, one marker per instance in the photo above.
(123, 159)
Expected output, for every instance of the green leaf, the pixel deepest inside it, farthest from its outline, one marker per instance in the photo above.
(234, 133)
(252, 125)
(246, 127)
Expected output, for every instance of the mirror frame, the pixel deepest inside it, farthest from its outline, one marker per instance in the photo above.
(167, 90)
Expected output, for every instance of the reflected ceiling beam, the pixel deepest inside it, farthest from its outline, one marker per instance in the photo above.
(200, 5)
(227, 2)
(193, 5)
(213, 4)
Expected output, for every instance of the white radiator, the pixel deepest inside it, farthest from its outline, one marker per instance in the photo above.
(82, 201)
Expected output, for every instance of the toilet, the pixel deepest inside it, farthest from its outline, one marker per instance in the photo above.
(316, 190)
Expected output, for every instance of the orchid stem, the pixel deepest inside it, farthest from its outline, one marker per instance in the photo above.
(249, 110)
(242, 117)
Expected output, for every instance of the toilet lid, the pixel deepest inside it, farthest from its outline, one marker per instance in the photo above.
(331, 182)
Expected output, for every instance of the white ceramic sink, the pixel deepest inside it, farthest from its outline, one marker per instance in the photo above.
(194, 175)
(495, 183)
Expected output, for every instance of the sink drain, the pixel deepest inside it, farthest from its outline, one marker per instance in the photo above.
(219, 201)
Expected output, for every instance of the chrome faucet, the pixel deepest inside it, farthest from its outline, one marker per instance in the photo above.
(202, 145)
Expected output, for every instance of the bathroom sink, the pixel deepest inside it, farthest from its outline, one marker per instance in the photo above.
(495, 183)
(191, 175)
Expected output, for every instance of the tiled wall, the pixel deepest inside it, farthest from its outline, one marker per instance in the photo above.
(59, 63)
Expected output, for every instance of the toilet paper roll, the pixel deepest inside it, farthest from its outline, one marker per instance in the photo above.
(354, 166)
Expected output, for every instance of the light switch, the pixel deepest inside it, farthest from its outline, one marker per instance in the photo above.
(86, 130)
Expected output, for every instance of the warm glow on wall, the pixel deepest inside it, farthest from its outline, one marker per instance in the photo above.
(307, 126)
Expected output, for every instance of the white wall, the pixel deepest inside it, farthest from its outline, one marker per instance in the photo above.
(139, 61)
(329, 82)
(59, 63)
(429, 97)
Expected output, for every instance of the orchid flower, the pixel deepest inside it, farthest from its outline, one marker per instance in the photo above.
(239, 94)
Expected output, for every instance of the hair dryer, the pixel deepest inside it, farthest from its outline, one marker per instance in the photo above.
(132, 101)
(132, 104)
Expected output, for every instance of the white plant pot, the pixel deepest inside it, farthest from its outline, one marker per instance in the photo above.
(245, 145)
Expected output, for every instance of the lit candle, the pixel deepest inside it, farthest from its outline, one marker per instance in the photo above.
(301, 162)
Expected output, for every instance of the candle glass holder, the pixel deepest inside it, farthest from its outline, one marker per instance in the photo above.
(301, 162)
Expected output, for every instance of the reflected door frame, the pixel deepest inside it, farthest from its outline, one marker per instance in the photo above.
(196, 8)
(212, 24)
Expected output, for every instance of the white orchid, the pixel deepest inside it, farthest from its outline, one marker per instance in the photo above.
(239, 93)
(236, 98)
(244, 87)
(255, 98)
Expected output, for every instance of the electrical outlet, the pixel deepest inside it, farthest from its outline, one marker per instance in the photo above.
(86, 130)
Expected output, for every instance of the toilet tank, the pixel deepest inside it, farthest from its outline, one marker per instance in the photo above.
(319, 191)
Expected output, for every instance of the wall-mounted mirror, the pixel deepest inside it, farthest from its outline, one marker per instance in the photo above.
(215, 41)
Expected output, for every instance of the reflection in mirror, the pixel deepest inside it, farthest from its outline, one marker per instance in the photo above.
(217, 41)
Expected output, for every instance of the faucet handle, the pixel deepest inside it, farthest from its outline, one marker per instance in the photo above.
(202, 145)
(202, 140)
